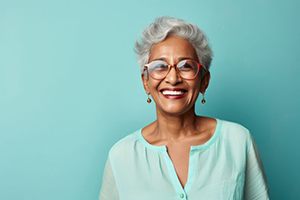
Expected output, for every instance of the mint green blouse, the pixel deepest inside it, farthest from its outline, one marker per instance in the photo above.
(226, 167)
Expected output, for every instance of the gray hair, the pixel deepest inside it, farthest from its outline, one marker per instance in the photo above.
(165, 26)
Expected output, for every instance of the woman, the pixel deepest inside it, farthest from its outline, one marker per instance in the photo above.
(181, 155)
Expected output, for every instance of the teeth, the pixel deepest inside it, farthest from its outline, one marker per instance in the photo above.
(170, 92)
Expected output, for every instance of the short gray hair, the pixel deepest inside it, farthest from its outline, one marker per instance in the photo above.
(164, 26)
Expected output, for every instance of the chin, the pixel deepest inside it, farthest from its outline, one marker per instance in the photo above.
(175, 109)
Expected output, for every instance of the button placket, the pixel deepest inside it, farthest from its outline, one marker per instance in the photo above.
(175, 180)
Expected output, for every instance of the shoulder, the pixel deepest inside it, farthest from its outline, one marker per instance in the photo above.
(235, 134)
(234, 129)
(124, 145)
(234, 140)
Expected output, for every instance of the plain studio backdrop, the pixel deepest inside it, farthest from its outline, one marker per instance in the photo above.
(70, 87)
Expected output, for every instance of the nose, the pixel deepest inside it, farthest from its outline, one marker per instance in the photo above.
(173, 76)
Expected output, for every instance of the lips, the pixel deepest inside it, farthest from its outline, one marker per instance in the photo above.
(173, 93)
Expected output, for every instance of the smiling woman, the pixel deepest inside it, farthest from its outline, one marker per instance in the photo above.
(181, 155)
(174, 89)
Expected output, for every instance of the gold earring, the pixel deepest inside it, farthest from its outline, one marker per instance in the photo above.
(203, 99)
(148, 100)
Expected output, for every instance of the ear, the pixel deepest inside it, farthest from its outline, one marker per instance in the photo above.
(205, 82)
(145, 83)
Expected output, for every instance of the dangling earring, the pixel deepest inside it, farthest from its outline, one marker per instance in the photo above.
(148, 100)
(203, 99)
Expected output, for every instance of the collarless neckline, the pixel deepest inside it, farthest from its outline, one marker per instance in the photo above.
(203, 146)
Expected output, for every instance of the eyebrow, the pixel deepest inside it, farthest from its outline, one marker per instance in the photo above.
(183, 58)
(179, 59)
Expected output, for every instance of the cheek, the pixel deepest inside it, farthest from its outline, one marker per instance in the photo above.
(153, 84)
(195, 90)
(195, 86)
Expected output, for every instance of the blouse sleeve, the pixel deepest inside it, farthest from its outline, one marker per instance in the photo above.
(256, 187)
(108, 189)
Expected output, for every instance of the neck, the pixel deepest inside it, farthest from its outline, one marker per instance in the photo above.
(174, 127)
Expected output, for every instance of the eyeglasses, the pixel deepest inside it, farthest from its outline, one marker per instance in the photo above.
(187, 69)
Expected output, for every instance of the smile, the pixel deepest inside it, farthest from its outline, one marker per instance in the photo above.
(173, 93)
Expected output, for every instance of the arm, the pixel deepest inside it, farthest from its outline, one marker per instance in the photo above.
(108, 189)
(255, 179)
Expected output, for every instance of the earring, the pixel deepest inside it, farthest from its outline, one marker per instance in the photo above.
(148, 100)
(203, 99)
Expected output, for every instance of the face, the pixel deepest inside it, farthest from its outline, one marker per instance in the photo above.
(173, 94)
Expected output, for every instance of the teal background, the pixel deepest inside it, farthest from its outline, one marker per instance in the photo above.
(70, 87)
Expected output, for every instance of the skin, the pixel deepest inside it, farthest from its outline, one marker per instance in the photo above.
(177, 126)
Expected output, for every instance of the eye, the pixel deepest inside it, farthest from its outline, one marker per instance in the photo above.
(158, 65)
(186, 65)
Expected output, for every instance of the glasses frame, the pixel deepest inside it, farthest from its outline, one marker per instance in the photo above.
(199, 65)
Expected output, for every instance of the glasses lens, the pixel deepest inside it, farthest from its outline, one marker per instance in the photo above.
(188, 69)
(158, 69)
